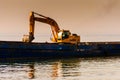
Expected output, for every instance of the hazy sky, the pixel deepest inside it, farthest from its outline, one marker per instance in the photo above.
(93, 20)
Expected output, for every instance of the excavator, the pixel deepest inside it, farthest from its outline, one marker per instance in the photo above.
(59, 36)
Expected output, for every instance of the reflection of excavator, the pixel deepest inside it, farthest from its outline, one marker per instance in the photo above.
(59, 36)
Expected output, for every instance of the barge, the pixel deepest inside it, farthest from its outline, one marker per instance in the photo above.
(21, 50)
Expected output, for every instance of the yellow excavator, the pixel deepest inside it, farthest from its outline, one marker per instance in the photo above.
(59, 36)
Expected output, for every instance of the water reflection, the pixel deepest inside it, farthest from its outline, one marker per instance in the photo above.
(31, 71)
(63, 69)
(56, 70)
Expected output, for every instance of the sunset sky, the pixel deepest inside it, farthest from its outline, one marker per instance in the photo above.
(93, 20)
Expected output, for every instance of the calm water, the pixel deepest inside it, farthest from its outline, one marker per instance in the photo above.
(62, 69)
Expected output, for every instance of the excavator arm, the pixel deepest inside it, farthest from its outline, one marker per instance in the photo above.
(54, 26)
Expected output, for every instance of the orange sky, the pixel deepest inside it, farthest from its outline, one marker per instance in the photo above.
(93, 20)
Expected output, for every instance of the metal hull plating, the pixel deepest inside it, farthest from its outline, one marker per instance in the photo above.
(10, 49)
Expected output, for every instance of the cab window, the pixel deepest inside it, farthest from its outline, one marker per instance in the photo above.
(65, 34)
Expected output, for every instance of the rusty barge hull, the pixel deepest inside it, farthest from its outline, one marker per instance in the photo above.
(14, 49)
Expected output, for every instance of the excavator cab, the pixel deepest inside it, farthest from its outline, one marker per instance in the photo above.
(64, 36)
